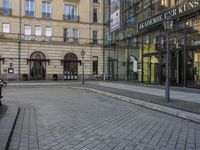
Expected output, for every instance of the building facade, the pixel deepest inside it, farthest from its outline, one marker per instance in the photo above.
(184, 43)
(141, 30)
(119, 44)
(44, 39)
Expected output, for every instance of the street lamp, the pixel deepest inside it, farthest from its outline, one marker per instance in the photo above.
(82, 54)
(168, 24)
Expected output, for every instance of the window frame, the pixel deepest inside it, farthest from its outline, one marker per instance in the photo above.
(95, 64)
(74, 39)
(38, 26)
(30, 2)
(95, 15)
(68, 13)
(46, 7)
(25, 33)
(49, 30)
(95, 41)
(4, 31)
(6, 2)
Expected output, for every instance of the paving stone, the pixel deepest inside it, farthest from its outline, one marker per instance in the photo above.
(53, 118)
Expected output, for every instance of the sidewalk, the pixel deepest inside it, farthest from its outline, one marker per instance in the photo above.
(187, 101)
(8, 116)
(188, 94)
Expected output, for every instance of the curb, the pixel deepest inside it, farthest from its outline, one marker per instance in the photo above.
(7, 123)
(12, 130)
(164, 109)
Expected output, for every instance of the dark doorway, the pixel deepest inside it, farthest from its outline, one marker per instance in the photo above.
(70, 67)
(38, 66)
(113, 69)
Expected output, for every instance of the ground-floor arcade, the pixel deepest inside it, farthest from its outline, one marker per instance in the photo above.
(48, 61)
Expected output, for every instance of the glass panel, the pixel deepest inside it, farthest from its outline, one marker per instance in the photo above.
(6, 4)
(95, 65)
(66, 35)
(75, 32)
(38, 30)
(94, 36)
(48, 31)
(32, 6)
(6, 28)
(70, 10)
(46, 7)
(29, 6)
(197, 67)
(27, 29)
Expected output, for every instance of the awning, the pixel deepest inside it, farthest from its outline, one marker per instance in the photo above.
(70, 61)
(34, 59)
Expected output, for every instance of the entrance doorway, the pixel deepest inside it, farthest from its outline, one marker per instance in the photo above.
(151, 68)
(133, 68)
(38, 66)
(193, 68)
(70, 67)
(113, 69)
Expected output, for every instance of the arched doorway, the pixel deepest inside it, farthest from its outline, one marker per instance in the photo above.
(70, 66)
(38, 66)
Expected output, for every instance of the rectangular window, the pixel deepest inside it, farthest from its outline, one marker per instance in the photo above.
(66, 35)
(48, 31)
(71, 13)
(70, 10)
(6, 4)
(46, 8)
(6, 28)
(95, 65)
(27, 32)
(95, 15)
(75, 36)
(27, 29)
(95, 41)
(38, 31)
(29, 8)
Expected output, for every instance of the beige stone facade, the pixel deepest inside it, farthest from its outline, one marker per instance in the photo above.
(54, 47)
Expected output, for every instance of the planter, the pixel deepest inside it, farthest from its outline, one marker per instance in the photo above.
(25, 77)
(54, 77)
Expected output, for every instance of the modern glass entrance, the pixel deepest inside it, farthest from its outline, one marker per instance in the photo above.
(193, 68)
(150, 69)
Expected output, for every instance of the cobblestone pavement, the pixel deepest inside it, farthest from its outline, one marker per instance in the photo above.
(61, 118)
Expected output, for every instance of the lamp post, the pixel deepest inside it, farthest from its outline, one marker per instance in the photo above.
(83, 54)
(20, 34)
(168, 24)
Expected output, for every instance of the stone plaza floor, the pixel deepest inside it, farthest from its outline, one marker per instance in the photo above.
(63, 118)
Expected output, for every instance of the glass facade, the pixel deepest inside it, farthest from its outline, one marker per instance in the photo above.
(183, 45)
(138, 54)
(120, 44)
